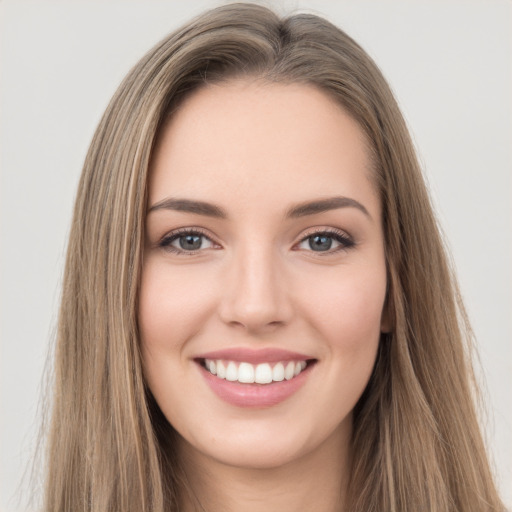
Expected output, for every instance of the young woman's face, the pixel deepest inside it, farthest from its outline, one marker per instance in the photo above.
(264, 278)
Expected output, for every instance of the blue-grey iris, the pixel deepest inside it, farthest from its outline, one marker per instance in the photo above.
(320, 242)
(191, 242)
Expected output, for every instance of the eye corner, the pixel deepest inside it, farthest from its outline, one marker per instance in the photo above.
(324, 241)
(199, 242)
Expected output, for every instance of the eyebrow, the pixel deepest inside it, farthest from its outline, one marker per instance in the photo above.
(324, 205)
(299, 210)
(190, 206)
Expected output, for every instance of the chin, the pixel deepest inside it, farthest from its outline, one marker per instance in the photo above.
(267, 445)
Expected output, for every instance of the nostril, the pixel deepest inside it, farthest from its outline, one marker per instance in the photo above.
(254, 301)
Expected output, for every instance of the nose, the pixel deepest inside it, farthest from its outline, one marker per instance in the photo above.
(255, 296)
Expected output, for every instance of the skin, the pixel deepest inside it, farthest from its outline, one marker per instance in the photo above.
(256, 150)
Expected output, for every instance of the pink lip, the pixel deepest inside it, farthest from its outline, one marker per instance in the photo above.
(254, 395)
(266, 355)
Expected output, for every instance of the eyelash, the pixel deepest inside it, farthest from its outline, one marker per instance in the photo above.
(345, 241)
(167, 240)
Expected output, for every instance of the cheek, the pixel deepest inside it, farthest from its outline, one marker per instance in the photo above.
(172, 305)
(350, 321)
(346, 308)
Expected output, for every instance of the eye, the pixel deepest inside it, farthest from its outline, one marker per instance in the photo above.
(326, 241)
(187, 242)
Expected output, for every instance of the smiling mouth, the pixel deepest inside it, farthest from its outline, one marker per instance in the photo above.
(262, 373)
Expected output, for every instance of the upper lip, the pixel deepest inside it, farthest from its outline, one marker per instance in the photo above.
(254, 356)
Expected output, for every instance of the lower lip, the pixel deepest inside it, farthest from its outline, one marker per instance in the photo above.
(255, 395)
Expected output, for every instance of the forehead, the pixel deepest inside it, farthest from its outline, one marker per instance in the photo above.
(286, 141)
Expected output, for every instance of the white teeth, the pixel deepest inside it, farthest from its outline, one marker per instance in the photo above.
(278, 372)
(232, 372)
(263, 374)
(289, 370)
(247, 373)
(221, 370)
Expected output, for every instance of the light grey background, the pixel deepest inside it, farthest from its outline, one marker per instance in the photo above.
(450, 64)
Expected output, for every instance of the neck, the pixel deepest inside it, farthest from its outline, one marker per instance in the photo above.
(316, 481)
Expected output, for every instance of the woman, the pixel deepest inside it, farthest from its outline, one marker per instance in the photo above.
(257, 309)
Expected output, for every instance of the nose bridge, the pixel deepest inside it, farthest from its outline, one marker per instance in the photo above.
(255, 296)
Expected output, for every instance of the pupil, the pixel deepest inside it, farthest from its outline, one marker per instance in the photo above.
(320, 242)
(190, 242)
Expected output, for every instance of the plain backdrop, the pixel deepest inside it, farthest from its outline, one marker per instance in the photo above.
(450, 65)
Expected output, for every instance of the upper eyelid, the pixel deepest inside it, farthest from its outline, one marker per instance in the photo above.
(188, 230)
(167, 241)
(344, 239)
(207, 234)
(328, 230)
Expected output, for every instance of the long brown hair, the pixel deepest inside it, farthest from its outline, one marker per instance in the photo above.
(417, 444)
